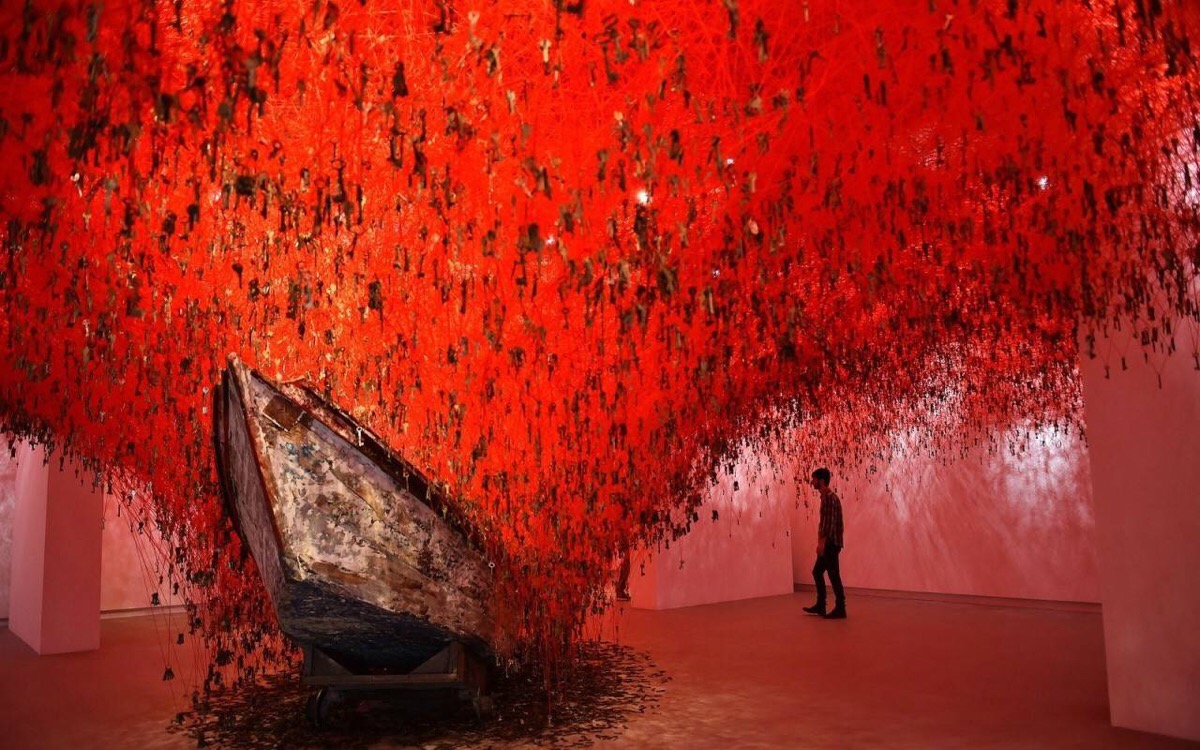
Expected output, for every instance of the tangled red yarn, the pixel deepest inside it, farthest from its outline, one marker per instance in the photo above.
(566, 255)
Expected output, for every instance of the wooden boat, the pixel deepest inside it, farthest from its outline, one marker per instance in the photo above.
(363, 557)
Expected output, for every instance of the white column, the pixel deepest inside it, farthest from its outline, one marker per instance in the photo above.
(55, 602)
(1145, 455)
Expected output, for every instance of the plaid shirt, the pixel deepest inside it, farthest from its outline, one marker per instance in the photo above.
(830, 527)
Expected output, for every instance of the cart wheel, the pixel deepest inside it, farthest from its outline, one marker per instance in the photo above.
(318, 707)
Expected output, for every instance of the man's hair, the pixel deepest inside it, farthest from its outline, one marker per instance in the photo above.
(823, 474)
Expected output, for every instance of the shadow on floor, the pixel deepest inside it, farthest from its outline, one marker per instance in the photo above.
(608, 685)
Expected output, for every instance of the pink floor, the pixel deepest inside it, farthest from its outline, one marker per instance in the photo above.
(900, 673)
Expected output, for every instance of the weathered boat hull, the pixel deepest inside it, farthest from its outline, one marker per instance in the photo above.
(360, 555)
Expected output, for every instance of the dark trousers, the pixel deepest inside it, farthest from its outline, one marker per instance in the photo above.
(828, 563)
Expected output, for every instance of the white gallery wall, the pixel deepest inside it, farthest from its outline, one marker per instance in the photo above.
(1145, 445)
(740, 548)
(990, 523)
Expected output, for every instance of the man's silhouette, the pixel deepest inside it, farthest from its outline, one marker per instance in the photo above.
(829, 545)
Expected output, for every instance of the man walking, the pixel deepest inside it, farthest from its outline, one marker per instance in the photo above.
(829, 545)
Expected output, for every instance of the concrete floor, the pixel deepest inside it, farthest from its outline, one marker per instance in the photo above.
(900, 673)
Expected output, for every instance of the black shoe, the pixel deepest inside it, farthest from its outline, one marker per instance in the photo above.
(622, 596)
(816, 609)
(837, 613)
